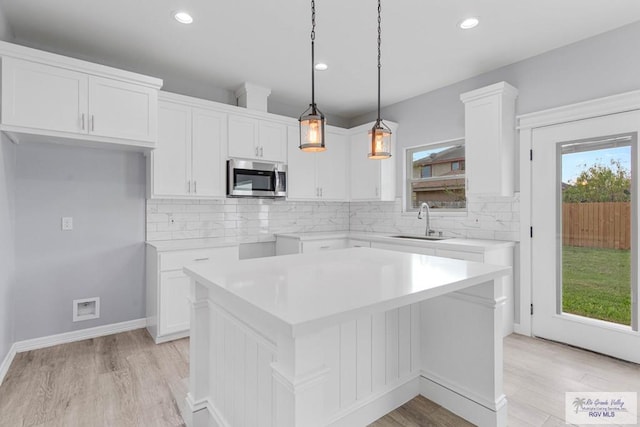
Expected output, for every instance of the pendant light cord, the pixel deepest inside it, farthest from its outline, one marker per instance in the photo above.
(313, 38)
(379, 54)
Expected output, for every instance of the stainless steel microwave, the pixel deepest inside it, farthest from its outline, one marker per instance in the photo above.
(246, 178)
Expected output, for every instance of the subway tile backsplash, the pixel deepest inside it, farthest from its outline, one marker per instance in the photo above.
(241, 220)
(256, 220)
(492, 218)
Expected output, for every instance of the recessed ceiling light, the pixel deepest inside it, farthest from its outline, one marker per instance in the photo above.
(183, 17)
(321, 66)
(469, 23)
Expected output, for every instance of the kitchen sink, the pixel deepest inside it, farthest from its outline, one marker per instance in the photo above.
(420, 237)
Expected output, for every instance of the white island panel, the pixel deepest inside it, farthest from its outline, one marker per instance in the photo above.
(341, 338)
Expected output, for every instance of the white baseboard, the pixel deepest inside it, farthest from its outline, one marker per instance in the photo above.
(6, 362)
(79, 335)
(377, 405)
(463, 406)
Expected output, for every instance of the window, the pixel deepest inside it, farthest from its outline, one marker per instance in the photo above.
(435, 174)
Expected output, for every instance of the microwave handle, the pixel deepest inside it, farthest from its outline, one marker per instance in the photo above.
(277, 178)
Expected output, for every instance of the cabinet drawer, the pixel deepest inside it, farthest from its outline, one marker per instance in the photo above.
(354, 243)
(468, 256)
(403, 248)
(177, 260)
(323, 245)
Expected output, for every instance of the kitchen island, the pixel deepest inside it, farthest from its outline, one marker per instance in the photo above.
(342, 337)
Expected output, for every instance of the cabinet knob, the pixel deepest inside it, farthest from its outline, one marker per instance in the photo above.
(201, 259)
(82, 121)
(261, 152)
(195, 187)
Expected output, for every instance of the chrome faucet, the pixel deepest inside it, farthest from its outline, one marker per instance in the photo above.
(424, 209)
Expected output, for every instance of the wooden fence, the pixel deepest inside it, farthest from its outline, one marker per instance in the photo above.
(597, 225)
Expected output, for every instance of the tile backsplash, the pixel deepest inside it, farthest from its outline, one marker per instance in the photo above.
(492, 218)
(241, 220)
(256, 220)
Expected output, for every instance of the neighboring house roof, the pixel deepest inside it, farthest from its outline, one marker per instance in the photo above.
(449, 155)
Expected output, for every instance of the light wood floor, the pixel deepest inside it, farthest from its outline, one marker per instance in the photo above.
(126, 380)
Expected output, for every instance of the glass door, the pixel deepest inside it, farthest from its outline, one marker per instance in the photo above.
(584, 244)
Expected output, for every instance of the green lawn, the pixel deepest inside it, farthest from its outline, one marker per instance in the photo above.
(596, 283)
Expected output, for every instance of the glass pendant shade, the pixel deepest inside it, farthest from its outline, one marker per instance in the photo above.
(312, 130)
(380, 138)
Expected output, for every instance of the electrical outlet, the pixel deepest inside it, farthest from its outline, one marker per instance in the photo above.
(67, 223)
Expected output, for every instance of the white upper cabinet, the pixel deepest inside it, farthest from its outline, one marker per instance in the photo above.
(490, 140)
(171, 160)
(333, 175)
(323, 175)
(189, 160)
(272, 141)
(43, 97)
(122, 110)
(301, 170)
(49, 97)
(371, 179)
(208, 154)
(258, 139)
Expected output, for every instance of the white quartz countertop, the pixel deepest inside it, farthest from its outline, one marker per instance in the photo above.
(186, 244)
(305, 292)
(470, 245)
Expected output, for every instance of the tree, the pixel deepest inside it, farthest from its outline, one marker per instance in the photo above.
(600, 183)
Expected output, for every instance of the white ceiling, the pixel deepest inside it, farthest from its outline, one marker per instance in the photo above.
(266, 42)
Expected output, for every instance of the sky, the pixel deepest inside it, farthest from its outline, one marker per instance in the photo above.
(573, 163)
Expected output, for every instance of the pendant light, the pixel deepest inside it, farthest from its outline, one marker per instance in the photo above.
(312, 120)
(380, 134)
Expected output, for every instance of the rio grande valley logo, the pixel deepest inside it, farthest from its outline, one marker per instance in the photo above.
(601, 408)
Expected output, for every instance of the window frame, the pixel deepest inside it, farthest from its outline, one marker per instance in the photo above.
(407, 167)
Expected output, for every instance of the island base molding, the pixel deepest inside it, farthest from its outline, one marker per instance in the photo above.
(204, 413)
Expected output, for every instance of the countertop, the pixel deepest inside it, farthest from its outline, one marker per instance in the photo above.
(186, 244)
(470, 245)
(305, 292)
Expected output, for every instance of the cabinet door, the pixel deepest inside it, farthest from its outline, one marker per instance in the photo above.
(208, 155)
(171, 160)
(301, 170)
(122, 110)
(43, 97)
(333, 178)
(174, 307)
(365, 173)
(243, 137)
(272, 141)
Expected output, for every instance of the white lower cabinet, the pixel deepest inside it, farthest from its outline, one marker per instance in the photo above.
(174, 287)
(323, 245)
(168, 287)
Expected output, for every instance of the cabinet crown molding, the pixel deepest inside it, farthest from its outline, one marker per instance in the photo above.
(48, 58)
(501, 88)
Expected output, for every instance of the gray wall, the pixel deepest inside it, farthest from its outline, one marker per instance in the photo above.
(599, 66)
(104, 192)
(7, 242)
